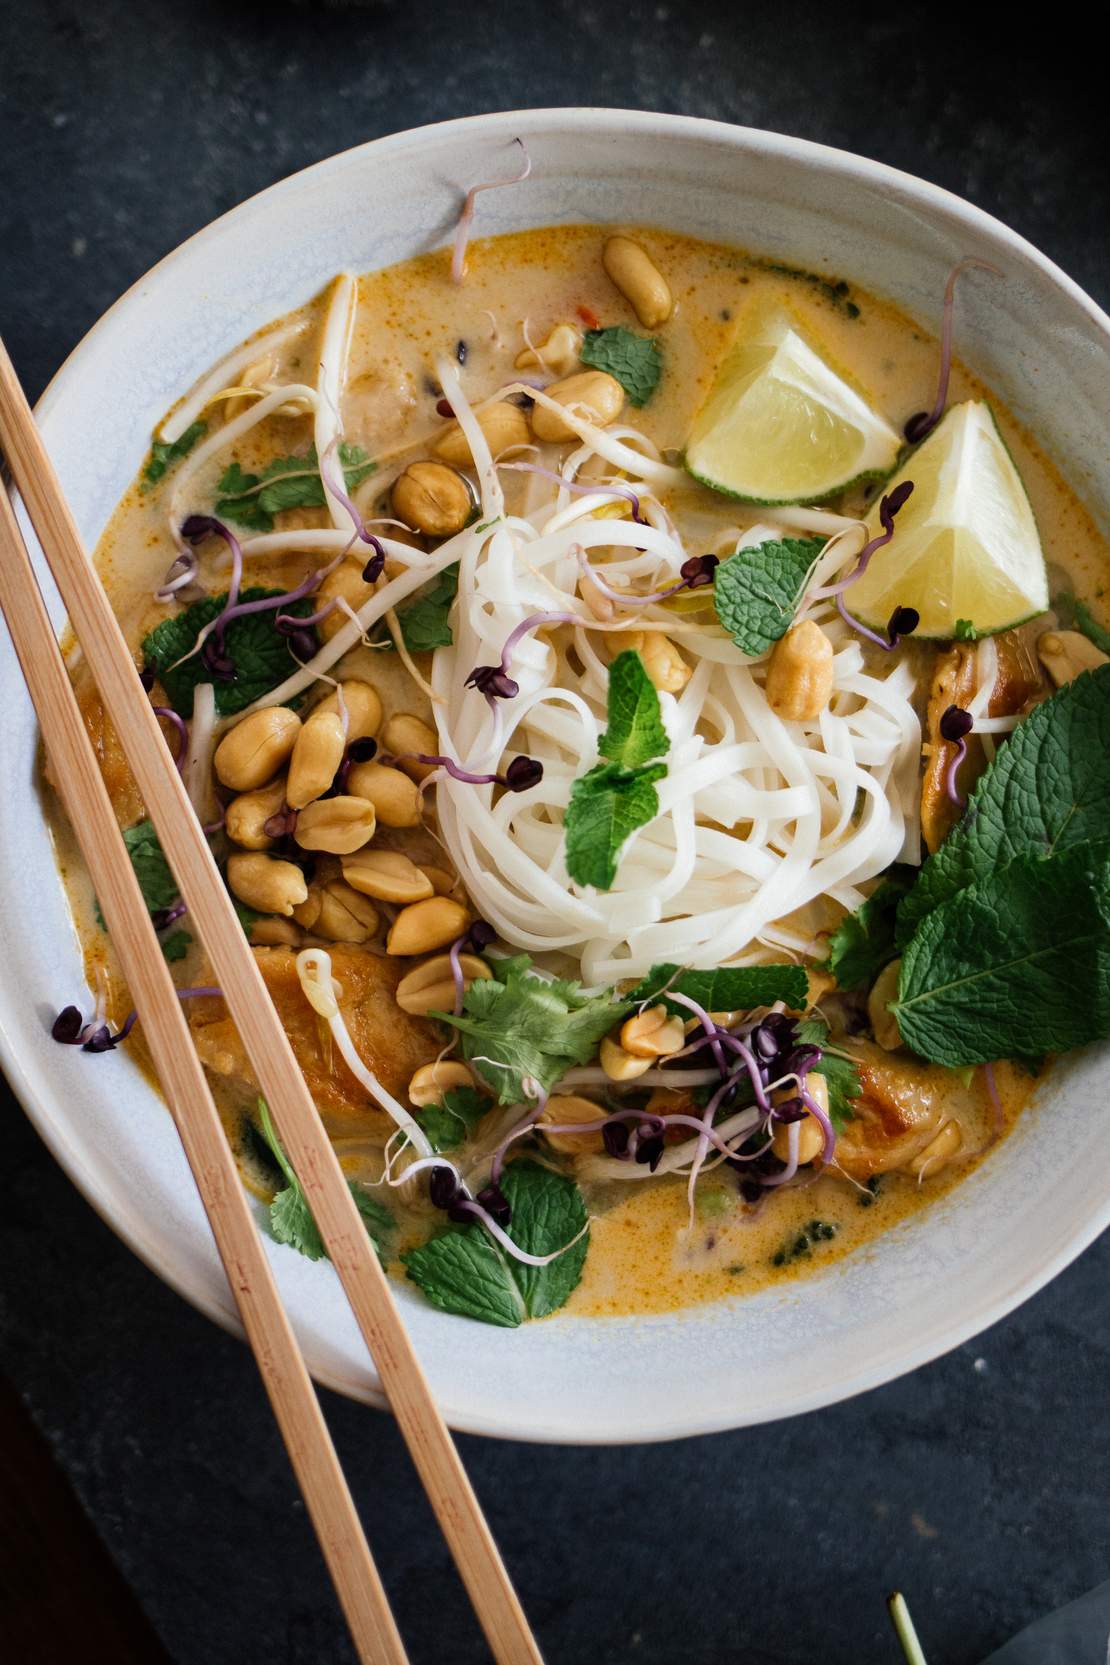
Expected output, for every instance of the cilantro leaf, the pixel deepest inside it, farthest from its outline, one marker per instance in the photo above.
(516, 1024)
(841, 1075)
(164, 453)
(613, 799)
(727, 989)
(261, 654)
(864, 942)
(1047, 790)
(293, 482)
(965, 631)
(635, 733)
(291, 1220)
(606, 807)
(633, 360)
(424, 619)
(448, 1123)
(465, 1272)
(756, 591)
(1016, 964)
(1076, 615)
(176, 945)
(156, 881)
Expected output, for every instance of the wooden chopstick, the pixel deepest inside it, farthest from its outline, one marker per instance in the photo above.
(213, 918)
(271, 1338)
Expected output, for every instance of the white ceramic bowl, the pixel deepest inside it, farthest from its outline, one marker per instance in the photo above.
(1036, 337)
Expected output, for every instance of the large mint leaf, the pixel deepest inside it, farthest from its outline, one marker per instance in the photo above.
(1047, 791)
(425, 619)
(1016, 965)
(260, 653)
(606, 807)
(756, 591)
(464, 1273)
(635, 733)
(633, 360)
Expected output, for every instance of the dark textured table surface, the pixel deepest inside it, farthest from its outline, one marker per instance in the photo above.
(977, 1484)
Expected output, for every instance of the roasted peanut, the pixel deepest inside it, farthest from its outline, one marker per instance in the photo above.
(405, 734)
(442, 882)
(433, 498)
(940, 1149)
(266, 884)
(345, 915)
(653, 1033)
(1066, 653)
(431, 1081)
(884, 1024)
(568, 1108)
(424, 926)
(347, 584)
(306, 913)
(246, 816)
(591, 394)
(257, 748)
(639, 280)
(388, 875)
(363, 708)
(558, 355)
(618, 1064)
(317, 754)
(396, 798)
(431, 987)
(505, 427)
(811, 1137)
(800, 673)
(341, 825)
(663, 663)
(270, 932)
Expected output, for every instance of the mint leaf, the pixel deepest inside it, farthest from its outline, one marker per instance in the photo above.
(738, 988)
(606, 807)
(424, 619)
(841, 1075)
(864, 942)
(447, 1124)
(1076, 615)
(613, 799)
(176, 945)
(293, 482)
(1015, 965)
(261, 654)
(634, 360)
(291, 1220)
(1047, 790)
(635, 733)
(163, 453)
(156, 881)
(515, 1024)
(465, 1272)
(756, 591)
(548, 1213)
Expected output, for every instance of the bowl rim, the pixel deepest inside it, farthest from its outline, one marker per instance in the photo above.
(881, 1366)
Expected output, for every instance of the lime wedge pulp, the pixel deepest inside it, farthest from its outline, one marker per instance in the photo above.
(965, 545)
(781, 426)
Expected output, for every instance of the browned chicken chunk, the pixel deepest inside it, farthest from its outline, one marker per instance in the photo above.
(389, 1041)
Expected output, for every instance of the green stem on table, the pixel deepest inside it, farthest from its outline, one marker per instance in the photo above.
(903, 1626)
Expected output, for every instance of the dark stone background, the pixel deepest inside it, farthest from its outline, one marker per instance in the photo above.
(977, 1484)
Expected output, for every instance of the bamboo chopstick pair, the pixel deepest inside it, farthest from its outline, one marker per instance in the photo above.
(214, 921)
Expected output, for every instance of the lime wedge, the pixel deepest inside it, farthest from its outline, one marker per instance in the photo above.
(965, 544)
(780, 426)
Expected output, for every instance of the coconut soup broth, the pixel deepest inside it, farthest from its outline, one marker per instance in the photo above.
(643, 1255)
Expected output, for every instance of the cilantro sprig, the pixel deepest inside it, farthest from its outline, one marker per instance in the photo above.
(164, 453)
(617, 797)
(865, 941)
(633, 360)
(291, 1220)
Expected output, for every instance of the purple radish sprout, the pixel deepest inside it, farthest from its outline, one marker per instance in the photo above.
(475, 940)
(955, 726)
(920, 426)
(466, 218)
(534, 1090)
(903, 622)
(888, 508)
(494, 681)
(70, 1028)
(165, 917)
(584, 487)
(182, 570)
(697, 572)
(522, 773)
(182, 732)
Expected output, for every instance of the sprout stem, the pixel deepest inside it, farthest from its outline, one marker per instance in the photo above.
(904, 1630)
